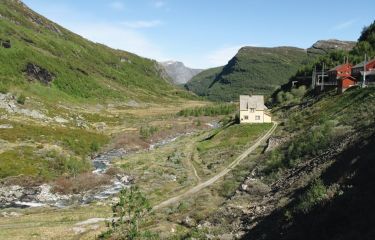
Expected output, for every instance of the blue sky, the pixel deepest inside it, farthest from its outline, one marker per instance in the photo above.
(207, 33)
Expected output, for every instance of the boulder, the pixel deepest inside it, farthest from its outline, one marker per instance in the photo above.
(5, 43)
(35, 72)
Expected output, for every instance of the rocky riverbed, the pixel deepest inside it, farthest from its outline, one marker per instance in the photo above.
(43, 195)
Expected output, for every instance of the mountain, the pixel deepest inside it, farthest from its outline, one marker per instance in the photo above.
(178, 72)
(254, 70)
(326, 46)
(38, 56)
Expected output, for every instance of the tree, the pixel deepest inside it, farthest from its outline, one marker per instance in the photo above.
(129, 213)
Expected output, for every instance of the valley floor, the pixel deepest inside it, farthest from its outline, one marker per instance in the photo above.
(192, 157)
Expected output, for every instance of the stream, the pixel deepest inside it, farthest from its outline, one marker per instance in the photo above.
(40, 196)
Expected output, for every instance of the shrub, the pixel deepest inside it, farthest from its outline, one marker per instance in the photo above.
(95, 146)
(215, 110)
(128, 214)
(21, 99)
(80, 183)
(299, 92)
(147, 132)
(315, 194)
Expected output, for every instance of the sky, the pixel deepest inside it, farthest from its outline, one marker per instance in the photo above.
(207, 33)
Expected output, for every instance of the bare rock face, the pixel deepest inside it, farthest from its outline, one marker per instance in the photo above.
(178, 72)
(38, 73)
(325, 46)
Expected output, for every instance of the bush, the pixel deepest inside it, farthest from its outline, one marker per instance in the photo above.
(147, 132)
(21, 99)
(315, 194)
(299, 92)
(309, 144)
(215, 110)
(128, 213)
(81, 183)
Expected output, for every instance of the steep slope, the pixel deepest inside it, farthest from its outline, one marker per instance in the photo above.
(179, 73)
(314, 181)
(37, 55)
(201, 83)
(253, 70)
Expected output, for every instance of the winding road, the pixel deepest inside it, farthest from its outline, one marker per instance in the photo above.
(221, 174)
(202, 185)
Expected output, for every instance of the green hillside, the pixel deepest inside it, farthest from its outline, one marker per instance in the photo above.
(47, 60)
(201, 83)
(253, 70)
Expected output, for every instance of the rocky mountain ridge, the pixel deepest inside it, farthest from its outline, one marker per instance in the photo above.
(178, 72)
(326, 46)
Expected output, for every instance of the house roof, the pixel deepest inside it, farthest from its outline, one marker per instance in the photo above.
(360, 65)
(339, 67)
(348, 77)
(254, 101)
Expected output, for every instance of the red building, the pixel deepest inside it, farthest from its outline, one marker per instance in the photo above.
(343, 70)
(345, 82)
(357, 70)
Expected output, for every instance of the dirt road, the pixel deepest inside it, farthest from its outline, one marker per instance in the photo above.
(224, 172)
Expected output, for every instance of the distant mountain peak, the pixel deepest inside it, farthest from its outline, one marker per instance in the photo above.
(178, 72)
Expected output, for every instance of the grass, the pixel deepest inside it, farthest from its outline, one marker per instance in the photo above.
(51, 223)
(47, 153)
(27, 161)
(85, 71)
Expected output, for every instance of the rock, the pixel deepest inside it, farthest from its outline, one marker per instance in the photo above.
(6, 126)
(36, 72)
(125, 59)
(132, 103)
(8, 102)
(101, 126)
(189, 222)
(125, 179)
(178, 72)
(325, 46)
(274, 142)
(255, 187)
(5, 43)
(60, 120)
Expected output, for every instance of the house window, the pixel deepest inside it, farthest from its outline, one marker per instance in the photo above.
(257, 118)
(246, 117)
(252, 110)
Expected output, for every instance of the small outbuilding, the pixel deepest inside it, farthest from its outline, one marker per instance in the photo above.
(346, 82)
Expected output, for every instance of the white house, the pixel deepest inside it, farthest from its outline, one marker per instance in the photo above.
(253, 110)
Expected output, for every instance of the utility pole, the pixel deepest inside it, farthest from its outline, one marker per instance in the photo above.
(322, 83)
(314, 78)
(364, 72)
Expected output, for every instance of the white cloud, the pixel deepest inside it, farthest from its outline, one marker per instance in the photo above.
(345, 24)
(221, 56)
(142, 24)
(159, 4)
(120, 38)
(117, 5)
